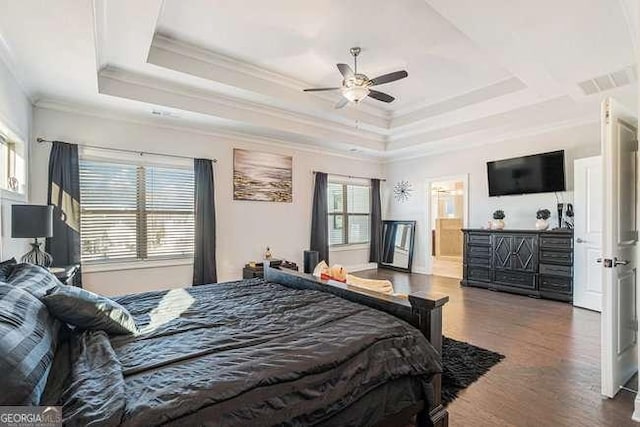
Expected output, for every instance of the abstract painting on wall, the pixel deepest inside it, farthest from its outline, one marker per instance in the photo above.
(265, 177)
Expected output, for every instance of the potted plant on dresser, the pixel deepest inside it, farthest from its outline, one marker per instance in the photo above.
(542, 216)
(498, 220)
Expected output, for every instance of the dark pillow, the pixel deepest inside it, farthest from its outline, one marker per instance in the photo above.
(9, 261)
(28, 339)
(86, 310)
(6, 267)
(33, 278)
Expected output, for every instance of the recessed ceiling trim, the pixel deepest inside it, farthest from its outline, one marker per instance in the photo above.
(226, 135)
(487, 137)
(519, 117)
(129, 85)
(410, 116)
(203, 63)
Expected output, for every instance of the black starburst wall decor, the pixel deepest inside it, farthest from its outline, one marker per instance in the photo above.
(402, 191)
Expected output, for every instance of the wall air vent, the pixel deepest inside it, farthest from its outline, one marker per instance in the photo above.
(610, 81)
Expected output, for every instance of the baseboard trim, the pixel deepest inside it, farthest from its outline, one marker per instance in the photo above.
(636, 410)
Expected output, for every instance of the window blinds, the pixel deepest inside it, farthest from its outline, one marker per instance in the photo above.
(348, 213)
(132, 212)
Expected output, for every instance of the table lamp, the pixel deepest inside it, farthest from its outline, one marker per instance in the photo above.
(33, 221)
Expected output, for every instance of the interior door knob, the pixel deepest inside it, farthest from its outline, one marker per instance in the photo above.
(617, 262)
(579, 240)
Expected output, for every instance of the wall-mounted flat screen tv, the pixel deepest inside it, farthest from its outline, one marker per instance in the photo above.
(540, 173)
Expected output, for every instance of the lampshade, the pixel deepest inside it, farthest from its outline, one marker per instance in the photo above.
(31, 221)
(355, 93)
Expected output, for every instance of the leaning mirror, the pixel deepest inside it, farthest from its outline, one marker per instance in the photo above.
(397, 245)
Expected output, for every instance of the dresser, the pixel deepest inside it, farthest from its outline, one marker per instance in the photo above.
(526, 262)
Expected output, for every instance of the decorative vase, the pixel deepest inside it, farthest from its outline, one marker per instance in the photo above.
(497, 224)
(542, 224)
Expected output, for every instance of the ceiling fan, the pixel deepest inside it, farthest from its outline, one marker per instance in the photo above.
(355, 87)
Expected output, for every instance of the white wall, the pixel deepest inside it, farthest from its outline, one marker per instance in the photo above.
(578, 142)
(244, 228)
(15, 119)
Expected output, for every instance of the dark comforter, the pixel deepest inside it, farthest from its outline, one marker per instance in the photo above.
(247, 353)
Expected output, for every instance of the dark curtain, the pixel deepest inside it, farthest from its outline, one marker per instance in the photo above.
(389, 243)
(64, 195)
(375, 240)
(320, 219)
(204, 260)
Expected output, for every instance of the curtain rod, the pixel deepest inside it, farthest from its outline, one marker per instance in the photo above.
(348, 176)
(124, 150)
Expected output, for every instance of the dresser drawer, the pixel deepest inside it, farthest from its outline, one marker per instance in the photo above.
(516, 279)
(478, 273)
(479, 251)
(556, 284)
(479, 239)
(556, 257)
(479, 261)
(556, 270)
(556, 242)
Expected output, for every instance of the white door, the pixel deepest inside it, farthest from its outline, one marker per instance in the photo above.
(587, 182)
(619, 236)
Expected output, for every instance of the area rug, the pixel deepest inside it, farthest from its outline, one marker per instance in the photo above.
(463, 364)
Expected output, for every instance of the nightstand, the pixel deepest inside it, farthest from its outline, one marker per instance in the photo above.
(249, 272)
(66, 273)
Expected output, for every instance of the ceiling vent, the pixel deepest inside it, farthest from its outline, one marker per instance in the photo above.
(610, 81)
(165, 113)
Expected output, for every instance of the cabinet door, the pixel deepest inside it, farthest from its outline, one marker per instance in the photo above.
(524, 253)
(502, 250)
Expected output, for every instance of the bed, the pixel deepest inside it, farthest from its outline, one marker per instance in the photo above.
(286, 350)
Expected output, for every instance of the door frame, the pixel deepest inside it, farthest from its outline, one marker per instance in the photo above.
(428, 241)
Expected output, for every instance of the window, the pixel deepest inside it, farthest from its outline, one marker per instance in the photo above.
(11, 164)
(348, 214)
(132, 212)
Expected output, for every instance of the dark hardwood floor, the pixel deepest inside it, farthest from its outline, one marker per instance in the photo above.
(551, 374)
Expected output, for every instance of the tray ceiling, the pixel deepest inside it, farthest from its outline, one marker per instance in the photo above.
(478, 71)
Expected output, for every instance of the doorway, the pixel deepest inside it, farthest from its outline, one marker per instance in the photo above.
(447, 218)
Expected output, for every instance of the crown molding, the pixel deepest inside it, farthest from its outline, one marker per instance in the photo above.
(554, 109)
(229, 136)
(453, 144)
(461, 142)
(187, 58)
(125, 84)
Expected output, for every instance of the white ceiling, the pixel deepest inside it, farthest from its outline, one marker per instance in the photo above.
(478, 71)
(305, 40)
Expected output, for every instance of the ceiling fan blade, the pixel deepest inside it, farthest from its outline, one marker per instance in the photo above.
(320, 89)
(345, 70)
(342, 103)
(381, 96)
(388, 78)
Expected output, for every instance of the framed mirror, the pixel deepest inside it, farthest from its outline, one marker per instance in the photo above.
(397, 245)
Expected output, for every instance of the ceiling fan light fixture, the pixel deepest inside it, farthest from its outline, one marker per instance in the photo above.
(355, 86)
(355, 93)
